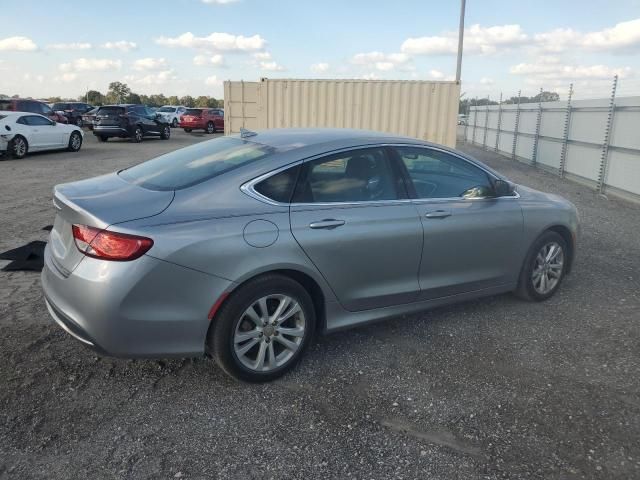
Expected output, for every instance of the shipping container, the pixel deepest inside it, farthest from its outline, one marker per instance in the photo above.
(420, 109)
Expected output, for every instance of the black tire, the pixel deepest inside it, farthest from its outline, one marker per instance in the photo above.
(174, 123)
(18, 147)
(102, 138)
(221, 333)
(211, 128)
(188, 130)
(166, 133)
(526, 289)
(75, 142)
(137, 135)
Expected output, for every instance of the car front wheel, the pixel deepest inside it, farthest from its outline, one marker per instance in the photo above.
(174, 123)
(544, 268)
(166, 133)
(75, 142)
(262, 329)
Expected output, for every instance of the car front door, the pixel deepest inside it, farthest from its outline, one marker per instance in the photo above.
(219, 120)
(43, 132)
(472, 240)
(351, 216)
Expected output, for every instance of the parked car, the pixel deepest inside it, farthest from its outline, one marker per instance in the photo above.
(32, 106)
(210, 120)
(22, 132)
(129, 121)
(72, 110)
(89, 117)
(245, 246)
(171, 114)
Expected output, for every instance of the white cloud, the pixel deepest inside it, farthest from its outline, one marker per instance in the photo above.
(262, 56)
(223, 42)
(477, 40)
(436, 74)
(17, 44)
(213, 81)
(69, 46)
(622, 36)
(271, 66)
(122, 45)
(540, 72)
(319, 67)
(380, 61)
(91, 65)
(150, 63)
(216, 60)
(156, 78)
(66, 77)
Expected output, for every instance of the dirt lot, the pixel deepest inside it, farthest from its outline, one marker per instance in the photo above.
(495, 388)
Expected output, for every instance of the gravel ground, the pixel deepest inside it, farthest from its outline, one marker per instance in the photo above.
(495, 388)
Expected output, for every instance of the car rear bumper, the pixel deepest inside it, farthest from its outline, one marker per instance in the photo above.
(144, 308)
(193, 125)
(110, 131)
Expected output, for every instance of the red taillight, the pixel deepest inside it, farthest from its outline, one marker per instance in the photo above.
(106, 245)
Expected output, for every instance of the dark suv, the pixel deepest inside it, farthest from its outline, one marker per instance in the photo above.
(72, 110)
(129, 121)
(31, 106)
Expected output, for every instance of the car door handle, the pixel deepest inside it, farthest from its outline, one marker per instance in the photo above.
(327, 223)
(438, 214)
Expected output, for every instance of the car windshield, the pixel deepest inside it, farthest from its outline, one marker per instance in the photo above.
(193, 111)
(195, 164)
(167, 109)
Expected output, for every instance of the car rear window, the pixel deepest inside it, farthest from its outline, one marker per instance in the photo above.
(192, 165)
(193, 111)
(111, 110)
(167, 109)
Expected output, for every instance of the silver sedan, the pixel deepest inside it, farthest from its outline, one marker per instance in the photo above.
(245, 247)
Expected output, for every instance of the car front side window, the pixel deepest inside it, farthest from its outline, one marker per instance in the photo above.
(362, 175)
(37, 121)
(437, 174)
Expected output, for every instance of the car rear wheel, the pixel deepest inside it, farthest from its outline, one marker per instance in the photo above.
(166, 133)
(137, 135)
(188, 130)
(75, 142)
(262, 329)
(174, 123)
(544, 268)
(18, 147)
(211, 128)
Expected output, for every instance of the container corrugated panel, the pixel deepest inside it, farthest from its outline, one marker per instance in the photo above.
(426, 110)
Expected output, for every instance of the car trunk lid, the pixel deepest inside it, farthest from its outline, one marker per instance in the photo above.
(110, 116)
(98, 202)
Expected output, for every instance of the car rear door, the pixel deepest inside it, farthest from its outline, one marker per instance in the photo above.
(472, 240)
(351, 217)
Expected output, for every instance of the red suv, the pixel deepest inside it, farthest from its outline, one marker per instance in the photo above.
(31, 106)
(210, 120)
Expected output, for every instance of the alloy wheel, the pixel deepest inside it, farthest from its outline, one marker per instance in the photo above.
(547, 268)
(269, 333)
(76, 141)
(138, 134)
(19, 147)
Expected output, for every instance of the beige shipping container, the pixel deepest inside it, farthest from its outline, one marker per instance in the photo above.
(420, 109)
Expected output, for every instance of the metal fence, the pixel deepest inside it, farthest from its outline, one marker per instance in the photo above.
(595, 142)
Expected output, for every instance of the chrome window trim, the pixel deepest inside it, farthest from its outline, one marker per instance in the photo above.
(248, 187)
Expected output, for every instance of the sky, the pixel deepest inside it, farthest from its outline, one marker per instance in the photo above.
(189, 47)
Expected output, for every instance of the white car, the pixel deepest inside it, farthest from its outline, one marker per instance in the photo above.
(23, 132)
(171, 114)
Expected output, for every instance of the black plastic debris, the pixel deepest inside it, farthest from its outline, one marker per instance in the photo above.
(28, 257)
(47, 228)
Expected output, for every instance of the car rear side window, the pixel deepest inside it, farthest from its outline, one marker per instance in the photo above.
(194, 111)
(279, 187)
(362, 175)
(195, 164)
(110, 111)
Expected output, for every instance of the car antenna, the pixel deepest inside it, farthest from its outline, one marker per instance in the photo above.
(244, 133)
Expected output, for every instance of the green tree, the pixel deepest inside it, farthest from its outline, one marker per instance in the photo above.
(157, 100)
(173, 100)
(187, 101)
(202, 102)
(133, 98)
(118, 92)
(92, 97)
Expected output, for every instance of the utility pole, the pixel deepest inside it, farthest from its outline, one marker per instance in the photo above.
(460, 40)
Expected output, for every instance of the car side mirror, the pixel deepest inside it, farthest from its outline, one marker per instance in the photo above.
(502, 188)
